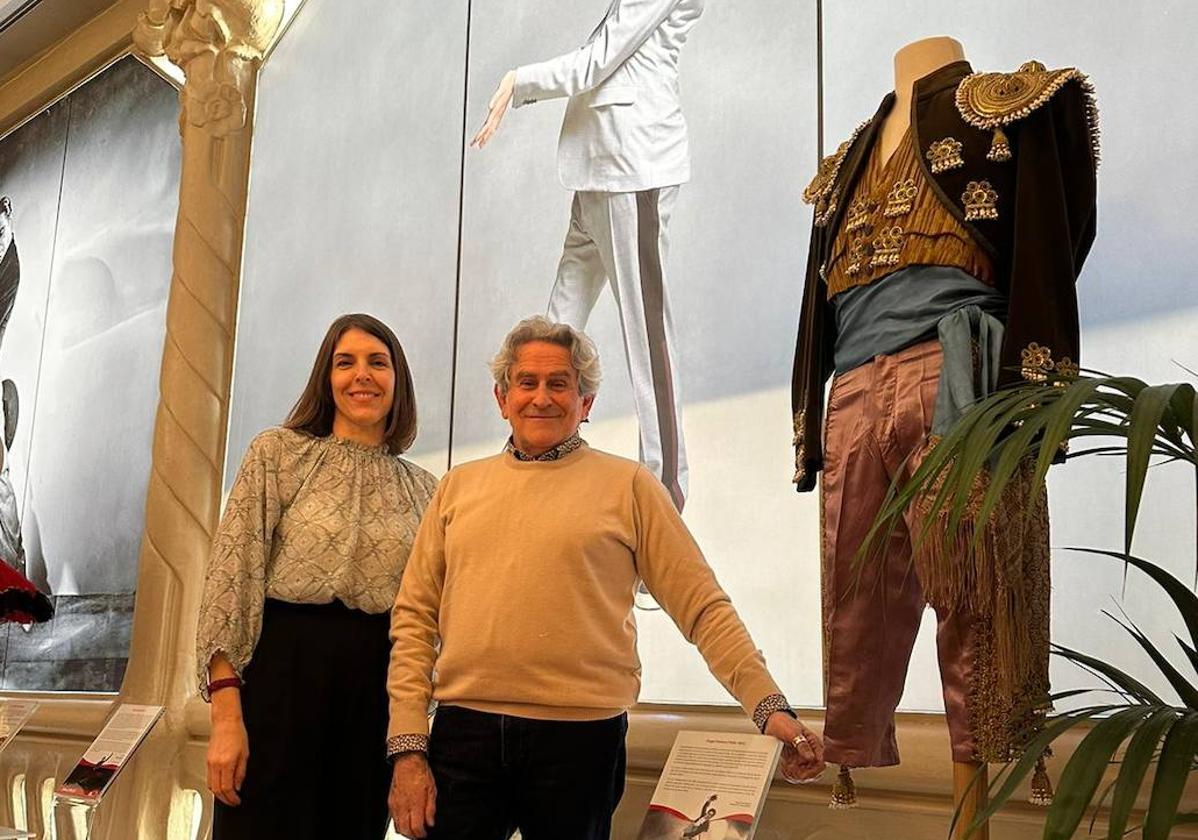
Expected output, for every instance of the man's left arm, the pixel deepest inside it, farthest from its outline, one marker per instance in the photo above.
(676, 574)
(620, 35)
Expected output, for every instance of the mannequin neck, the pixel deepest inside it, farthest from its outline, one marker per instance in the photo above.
(920, 58)
(911, 64)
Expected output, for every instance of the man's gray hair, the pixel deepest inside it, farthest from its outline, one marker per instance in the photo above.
(583, 355)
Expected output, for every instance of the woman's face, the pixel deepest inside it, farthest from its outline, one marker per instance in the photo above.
(363, 382)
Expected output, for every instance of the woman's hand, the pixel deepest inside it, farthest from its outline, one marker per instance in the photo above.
(803, 753)
(228, 753)
(228, 747)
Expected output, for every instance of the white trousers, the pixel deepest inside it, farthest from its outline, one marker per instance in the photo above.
(619, 239)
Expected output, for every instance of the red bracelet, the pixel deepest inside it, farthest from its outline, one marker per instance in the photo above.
(227, 682)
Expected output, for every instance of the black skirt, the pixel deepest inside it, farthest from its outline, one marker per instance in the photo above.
(315, 708)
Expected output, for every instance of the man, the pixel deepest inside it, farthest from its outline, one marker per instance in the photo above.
(519, 593)
(624, 152)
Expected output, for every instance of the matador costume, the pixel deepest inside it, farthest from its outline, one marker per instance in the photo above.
(933, 278)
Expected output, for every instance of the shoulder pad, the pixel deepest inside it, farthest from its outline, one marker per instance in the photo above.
(821, 192)
(993, 100)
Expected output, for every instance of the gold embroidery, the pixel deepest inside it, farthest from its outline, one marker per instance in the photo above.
(887, 246)
(859, 252)
(997, 573)
(822, 191)
(1036, 362)
(945, 155)
(1000, 147)
(823, 217)
(980, 200)
(1067, 371)
(800, 438)
(857, 215)
(991, 100)
(901, 198)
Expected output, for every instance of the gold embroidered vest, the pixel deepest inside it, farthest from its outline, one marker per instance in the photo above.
(894, 220)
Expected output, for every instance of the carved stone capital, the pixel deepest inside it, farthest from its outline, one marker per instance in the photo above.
(217, 44)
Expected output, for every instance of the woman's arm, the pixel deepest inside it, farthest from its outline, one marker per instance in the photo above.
(228, 744)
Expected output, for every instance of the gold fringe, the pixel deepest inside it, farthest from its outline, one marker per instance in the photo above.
(1041, 784)
(1000, 147)
(1002, 580)
(844, 792)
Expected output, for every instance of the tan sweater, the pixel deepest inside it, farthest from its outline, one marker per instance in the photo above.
(526, 571)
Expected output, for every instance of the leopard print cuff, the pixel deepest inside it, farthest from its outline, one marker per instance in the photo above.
(772, 703)
(406, 743)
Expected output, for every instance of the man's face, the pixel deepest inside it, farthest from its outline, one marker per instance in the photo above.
(542, 402)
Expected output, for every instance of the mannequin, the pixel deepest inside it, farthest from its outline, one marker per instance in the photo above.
(912, 62)
(923, 294)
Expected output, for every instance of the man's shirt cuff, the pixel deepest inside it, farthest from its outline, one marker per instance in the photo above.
(772, 703)
(407, 743)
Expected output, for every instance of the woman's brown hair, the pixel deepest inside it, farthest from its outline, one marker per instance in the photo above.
(314, 411)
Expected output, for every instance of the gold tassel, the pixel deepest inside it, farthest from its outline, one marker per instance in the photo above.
(1000, 147)
(844, 792)
(1041, 785)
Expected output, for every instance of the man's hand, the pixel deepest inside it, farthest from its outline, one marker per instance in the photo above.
(228, 754)
(803, 755)
(413, 798)
(498, 107)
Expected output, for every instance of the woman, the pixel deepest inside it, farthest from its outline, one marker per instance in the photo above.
(293, 645)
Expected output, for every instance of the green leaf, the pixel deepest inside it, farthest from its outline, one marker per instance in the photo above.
(1136, 759)
(1184, 688)
(1145, 419)
(1084, 771)
(1177, 756)
(1184, 599)
(1126, 682)
(1004, 786)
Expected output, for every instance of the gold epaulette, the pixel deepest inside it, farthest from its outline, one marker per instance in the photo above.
(822, 192)
(993, 100)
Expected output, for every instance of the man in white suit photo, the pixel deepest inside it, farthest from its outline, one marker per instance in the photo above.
(623, 150)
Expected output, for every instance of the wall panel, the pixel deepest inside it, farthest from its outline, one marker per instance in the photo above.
(737, 250)
(353, 203)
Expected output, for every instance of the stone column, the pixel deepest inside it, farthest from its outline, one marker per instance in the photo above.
(219, 45)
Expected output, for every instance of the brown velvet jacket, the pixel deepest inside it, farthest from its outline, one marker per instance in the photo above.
(1023, 183)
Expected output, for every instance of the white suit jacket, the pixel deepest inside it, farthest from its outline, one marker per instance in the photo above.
(624, 130)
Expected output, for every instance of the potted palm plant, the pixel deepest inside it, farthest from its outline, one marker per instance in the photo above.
(1016, 433)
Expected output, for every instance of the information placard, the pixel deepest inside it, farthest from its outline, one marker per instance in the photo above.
(712, 787)
(111, 751)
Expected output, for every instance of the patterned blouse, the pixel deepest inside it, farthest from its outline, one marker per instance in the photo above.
(309, 520)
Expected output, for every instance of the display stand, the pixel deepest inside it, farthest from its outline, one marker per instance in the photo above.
(76, 799)
(14, 714)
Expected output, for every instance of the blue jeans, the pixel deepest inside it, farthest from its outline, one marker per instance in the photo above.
(553, 780)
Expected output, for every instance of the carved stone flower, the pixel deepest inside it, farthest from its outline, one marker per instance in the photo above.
(217, 105)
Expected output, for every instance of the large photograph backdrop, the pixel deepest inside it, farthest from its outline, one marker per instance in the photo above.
(92, 187)
(362, 198)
